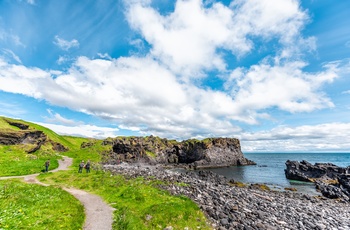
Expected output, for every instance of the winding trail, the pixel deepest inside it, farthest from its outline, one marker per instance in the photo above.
(98, 214)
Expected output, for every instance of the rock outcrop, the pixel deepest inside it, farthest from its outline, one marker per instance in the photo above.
(211, 152)
(333, 181)
(33, 139)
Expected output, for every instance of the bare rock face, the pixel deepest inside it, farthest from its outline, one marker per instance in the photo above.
(211, 152)
(333, 181)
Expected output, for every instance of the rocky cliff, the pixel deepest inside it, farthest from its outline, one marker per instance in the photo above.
(211, 152)
(33, 139)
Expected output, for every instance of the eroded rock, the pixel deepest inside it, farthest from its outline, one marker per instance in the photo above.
(211, 152)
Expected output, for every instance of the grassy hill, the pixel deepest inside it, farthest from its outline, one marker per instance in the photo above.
(133, 199)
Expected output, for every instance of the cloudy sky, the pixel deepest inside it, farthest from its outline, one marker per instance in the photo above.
(275, 74)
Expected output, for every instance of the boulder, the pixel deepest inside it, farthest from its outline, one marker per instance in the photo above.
(332, 181)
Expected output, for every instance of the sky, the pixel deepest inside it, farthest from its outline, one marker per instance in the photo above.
(275, 74)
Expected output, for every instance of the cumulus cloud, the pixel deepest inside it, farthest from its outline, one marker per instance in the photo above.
(160, 92)
(139, 92)
(65, 44)
(286, 87)
(82, 130)
(328, 137)
(190, 39)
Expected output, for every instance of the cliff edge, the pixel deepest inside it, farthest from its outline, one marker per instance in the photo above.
(210, 152)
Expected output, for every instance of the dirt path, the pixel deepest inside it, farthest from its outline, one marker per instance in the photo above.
(98, 214)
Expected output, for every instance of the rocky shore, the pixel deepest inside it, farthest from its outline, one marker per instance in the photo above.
(333, 181)
(231, 207)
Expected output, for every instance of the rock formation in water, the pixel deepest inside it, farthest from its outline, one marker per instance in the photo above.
(211, 152)
(331, 180)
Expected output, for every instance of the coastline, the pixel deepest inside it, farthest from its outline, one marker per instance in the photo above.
(231, 207)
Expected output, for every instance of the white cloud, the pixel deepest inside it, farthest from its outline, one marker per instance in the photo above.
(63, 59)
(9, 53)
(135, 92)
(189, 39)
(10, 37)
(138, 92)
(158, 93)
(317, 138)
(286, 87)
(65, 44)
(31, 2)
(346, 92)
(82, 130)
(57, 118)
(104, 56)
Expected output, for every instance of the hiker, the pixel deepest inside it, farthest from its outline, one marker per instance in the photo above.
(47, 164)
(87, 166)
(81, 166)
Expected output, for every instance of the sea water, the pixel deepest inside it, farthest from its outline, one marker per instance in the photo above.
(270, 169)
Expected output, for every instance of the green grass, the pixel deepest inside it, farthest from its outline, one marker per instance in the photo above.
(151, 154)
(15, 161)
(135, 200)
(30, 206)
(139, 203)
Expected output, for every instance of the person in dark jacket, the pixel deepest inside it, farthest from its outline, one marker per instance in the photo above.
(87, 166)
(47, 164)
(81, 166)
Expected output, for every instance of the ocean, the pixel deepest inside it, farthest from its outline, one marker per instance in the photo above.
(270, 169)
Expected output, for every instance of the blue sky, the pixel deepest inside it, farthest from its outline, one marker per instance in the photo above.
(274, 74)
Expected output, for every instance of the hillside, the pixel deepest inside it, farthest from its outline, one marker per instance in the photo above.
(211, 152)
(31, 137)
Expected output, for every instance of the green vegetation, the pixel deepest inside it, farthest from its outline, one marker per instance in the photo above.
(139, 204)
(15, 161)
(239, 184)
(31, 206)
(151, 154)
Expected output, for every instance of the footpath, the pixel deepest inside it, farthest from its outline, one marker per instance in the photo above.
(98, 214)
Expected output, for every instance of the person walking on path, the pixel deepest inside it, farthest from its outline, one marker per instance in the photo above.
(87, 166)
(47, 164)
(81, 166)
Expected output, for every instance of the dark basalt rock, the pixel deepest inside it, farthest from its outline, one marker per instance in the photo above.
(33, 139)
(18, 125)
(211, 152)
(332, 181)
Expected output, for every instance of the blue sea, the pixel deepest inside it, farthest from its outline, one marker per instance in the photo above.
(270, 169)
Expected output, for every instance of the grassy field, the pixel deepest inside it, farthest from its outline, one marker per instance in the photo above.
(14, 161)
(139, 204)
(30, 206)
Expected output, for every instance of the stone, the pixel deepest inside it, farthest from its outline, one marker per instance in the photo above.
(332, 181)
(210, 152)
(224, 222)
(245, 209)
